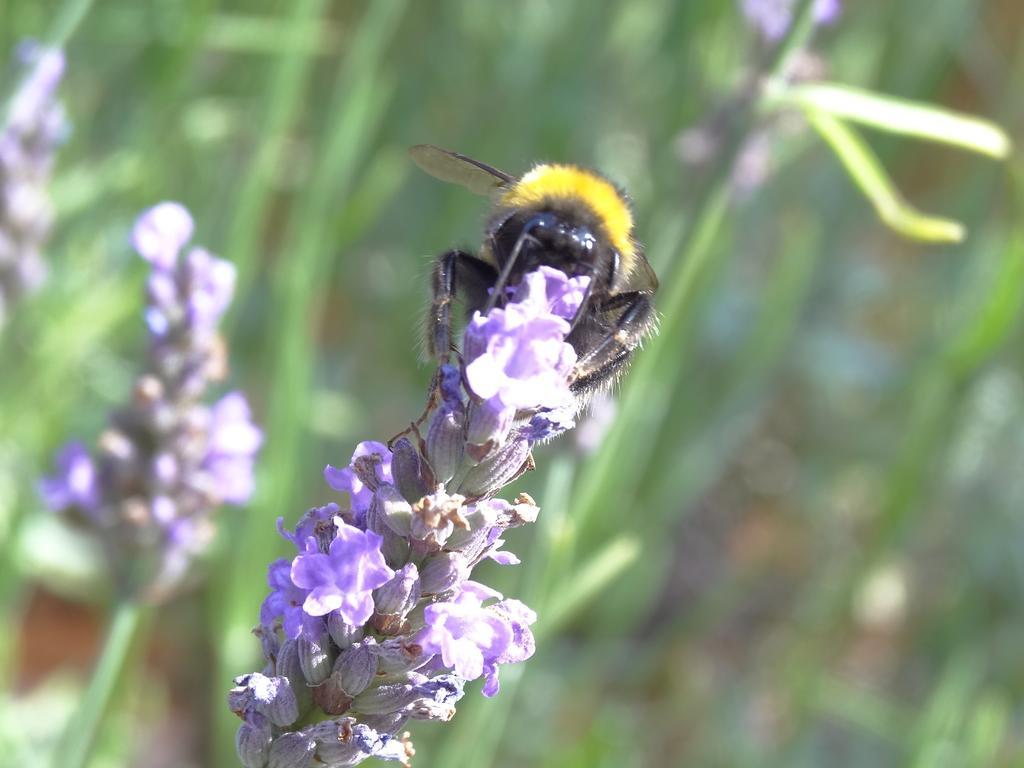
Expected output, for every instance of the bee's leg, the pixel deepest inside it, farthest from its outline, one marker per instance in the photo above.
(455, 272)
(414, 426)
(611, 302)
(438, 328)
(613, 350)
(581, 311)
(439, 315)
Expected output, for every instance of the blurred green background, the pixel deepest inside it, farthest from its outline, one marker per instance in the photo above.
(799, 545)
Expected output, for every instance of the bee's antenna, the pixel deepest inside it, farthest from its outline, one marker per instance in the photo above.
(506, 268)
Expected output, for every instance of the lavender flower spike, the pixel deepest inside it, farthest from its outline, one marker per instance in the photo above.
(375, 612)
(168, 459)
(32, 128)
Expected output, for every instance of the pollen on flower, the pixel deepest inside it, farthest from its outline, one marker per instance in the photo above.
(440, 510)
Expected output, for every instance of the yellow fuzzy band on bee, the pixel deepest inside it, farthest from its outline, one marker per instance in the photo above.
(566, 182)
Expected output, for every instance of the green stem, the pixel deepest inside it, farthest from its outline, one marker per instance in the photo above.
(608, 476)
(67, 21)
(287, 83)
(796, 39)
(82, 729)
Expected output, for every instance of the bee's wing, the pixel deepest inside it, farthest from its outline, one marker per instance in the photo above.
(458, 169)
(641, 276)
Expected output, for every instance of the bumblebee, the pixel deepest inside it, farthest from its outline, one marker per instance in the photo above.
(562, 216)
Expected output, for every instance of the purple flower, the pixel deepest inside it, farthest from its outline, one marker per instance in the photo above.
(167, 459)
(499, 555)
(342, 580)
(316, 523)
(31, 129)
(232, 446)
(39, 89)
(773, 17)
(346, 480)
(518, 357)
(161, 232)
(549, 423)
(472, 639)
(562, 294)
(213, 284)
(519, 618)
(74, 484)
(284, 601)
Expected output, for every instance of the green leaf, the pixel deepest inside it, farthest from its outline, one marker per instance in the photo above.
(867, 172)
(907, 118)
(993, 318)
(588, 580)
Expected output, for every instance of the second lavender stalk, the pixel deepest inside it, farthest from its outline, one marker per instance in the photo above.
(167, 460)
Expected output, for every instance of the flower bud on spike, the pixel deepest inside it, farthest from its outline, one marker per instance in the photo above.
(398, 655)
(343, 635)
(252, 743)
(291, 750)
(395, 599)
(407, 469)
(443, 571)
(392, 509)
(446, 441)
(315, 657)
(497, 471)
(388, 697)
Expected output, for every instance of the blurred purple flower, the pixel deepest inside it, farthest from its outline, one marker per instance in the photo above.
(773, 17)
(161, 232)
(74, 484)
(167, 459)
(213, 283)
(344, 578)
(34, 125)
(34, 98)
(232, 446)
